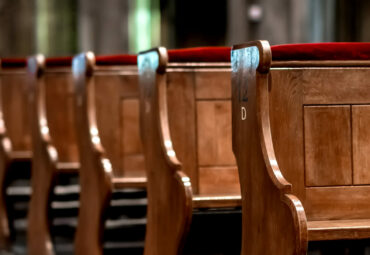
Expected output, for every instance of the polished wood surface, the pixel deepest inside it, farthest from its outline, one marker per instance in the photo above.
(186, 131)
(299, 140)
(107, 123)
(54, 145)
(15, 137)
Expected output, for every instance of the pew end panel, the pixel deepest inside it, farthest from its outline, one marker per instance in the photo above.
(96, 169)
(14, 135)
(193, 86)
(314, 99)
(169, 188)
(276, 208)
(107, 121)
(53, 140)
(43, 175)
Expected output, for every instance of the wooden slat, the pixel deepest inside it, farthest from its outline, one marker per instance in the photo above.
(212, 85)
(217, 201)
(328, 145)
(131, 143)
(60, 115)
(338, 229)
(129, 182)
(68, 167)
(134, 165)
(341, 202)
(214, 133)
(219, 180)
(335, 85)
(361, 144)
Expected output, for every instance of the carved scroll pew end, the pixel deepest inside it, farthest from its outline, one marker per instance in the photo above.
(293, 110)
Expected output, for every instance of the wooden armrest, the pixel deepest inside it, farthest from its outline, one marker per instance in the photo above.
(338, 229)
(129, 182)
(68, 167)
(217, 201)
(21, 155)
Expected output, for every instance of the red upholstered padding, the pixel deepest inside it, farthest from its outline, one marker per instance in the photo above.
(116, 60)
(13, 62)
(58, 62)
(201, 54)
(321, 51)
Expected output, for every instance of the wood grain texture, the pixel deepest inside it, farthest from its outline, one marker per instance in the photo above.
(169, 188)
(14, 97)
(305, 122)
(106, 91)
(205, 89)
(131, 146)
(60, 114)
(214, 133)
(183, 126)
(338, 229)
(45, 158)
(268, 203)
(328, 145)
(341, 202)
(336, 85)
(361, 143)
(15, 142)
(182, 121)
(106, 107)
(219, 180)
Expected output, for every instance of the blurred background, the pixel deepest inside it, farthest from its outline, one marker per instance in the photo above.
(67, 27)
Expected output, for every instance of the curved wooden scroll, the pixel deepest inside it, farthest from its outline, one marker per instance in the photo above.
(44, 162)
(274, 221)
(5, 149)
(169, 189)
(96, 169)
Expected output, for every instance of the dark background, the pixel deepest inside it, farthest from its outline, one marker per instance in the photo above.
(67, 27)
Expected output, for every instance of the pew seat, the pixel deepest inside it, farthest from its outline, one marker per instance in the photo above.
(301, 139)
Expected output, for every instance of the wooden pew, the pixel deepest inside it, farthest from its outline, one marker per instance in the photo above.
(185, 114)
(54, 143)
(301, 137)
(15, 146)
(107, 124)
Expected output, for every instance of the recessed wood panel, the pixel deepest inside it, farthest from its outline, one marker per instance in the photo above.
(15, 109)
(60, 115)
(182, 121)
(134, 165)
(219, 180)
(214, 133)
(108, 118)
(361, 144)
(213, 85)
(335, 85)
(327, 145)
(345, 202)
(131, 147)
(130, 123)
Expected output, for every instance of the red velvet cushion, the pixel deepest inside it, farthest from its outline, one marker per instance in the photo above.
(201, 54)
(13, 62)
(58, 62)
(116, 60)
(321, 51)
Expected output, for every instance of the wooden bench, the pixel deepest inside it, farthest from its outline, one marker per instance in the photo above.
(15, 147)
(107, 119)
(301, 137)
(186, 132)
(54, 145)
